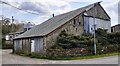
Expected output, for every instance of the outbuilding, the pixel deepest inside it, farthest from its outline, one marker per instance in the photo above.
(41, 37)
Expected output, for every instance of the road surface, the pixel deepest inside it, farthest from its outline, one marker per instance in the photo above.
(8, 58)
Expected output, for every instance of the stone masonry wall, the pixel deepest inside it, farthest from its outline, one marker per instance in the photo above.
(70, 27)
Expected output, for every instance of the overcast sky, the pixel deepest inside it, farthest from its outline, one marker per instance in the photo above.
(45, 8)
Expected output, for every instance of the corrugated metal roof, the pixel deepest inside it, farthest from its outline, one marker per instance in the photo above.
(53, 23)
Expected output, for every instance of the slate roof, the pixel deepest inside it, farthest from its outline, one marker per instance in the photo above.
(115, 25)
(53, 23)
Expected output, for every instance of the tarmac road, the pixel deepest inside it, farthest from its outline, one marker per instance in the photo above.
(8, 58)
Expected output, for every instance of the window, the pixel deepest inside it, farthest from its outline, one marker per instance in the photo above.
(29, 28)
(11, 37)
(79, 23)
(91, 28)
(76, 21)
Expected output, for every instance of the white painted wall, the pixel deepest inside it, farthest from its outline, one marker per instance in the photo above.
(32, 46)
(104, 24)
(7, 37)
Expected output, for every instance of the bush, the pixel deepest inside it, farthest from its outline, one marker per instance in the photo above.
(67, 41)
(106, 43)
(101, 32)
(6, 46)
(65, 46)
(56, 46)
(114, 38)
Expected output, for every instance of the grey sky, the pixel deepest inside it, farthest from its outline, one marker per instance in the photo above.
(47, 7)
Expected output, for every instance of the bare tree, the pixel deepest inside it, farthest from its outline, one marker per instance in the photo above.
(6, 21)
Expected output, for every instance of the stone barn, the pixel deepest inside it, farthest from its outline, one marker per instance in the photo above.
(115, 28)
(76, 22)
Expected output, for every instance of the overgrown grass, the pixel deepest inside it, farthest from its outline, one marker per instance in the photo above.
(76, 58)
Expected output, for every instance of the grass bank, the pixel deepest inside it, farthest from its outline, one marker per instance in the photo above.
(0, 46)
(78, 57)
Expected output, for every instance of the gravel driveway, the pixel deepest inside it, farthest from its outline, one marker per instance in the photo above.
(8, 58)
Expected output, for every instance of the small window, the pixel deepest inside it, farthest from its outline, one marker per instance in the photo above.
(74, 21)
(29, 28)
(91, 28)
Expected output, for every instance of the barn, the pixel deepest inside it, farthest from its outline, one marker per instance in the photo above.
(41, 37)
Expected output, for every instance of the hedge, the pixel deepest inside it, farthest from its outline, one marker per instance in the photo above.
(6, 46)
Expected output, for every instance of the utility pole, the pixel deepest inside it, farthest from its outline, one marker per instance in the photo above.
(12, 24)
(94, 33)
(13, 27)
(13, 33)
(94, 37)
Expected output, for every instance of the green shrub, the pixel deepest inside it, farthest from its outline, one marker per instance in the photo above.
(65, 46)
(106, 43)
(114, 38)
(101, 32)
(67, 41)
(56, 46)
(7, 46)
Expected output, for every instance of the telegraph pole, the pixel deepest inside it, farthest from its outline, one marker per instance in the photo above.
(94, 33)
(13, 33)
(13, 27)
(94, 37)
(12, 24)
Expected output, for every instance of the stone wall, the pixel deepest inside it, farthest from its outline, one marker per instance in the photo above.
(68, 52)
(69, 27)
(116, 28)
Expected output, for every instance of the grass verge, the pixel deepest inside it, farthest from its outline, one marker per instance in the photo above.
(76, 58)
(0, 46)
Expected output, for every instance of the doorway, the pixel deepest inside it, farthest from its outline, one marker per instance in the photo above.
(32, 46)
